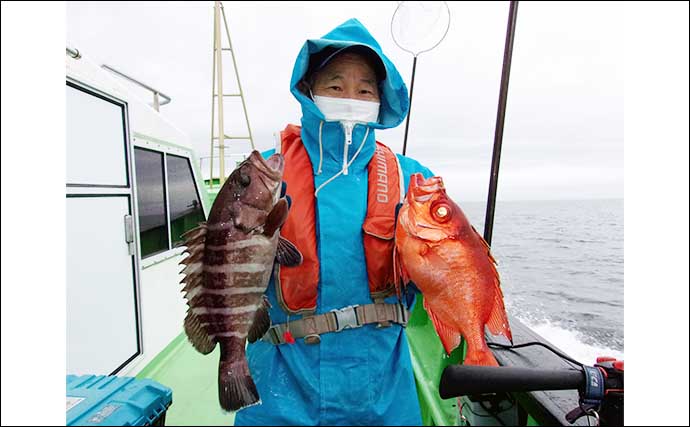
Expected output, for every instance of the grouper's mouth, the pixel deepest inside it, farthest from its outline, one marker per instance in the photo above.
(271, 167)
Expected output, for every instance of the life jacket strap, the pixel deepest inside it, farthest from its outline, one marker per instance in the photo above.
(312, 327)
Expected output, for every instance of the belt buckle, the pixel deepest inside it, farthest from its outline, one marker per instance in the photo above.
(346, 317)
(312, 339)
(272, 335)
(310, 325)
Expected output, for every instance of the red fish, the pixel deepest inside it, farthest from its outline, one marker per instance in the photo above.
(443, 255)
(230, 260)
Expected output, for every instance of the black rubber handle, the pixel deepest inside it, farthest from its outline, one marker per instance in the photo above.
(462, 380)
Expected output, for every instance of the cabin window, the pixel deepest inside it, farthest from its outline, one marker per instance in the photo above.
(153, 227)
(185, 206)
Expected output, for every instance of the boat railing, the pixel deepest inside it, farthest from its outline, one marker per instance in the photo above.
(156, 92)
(238, 157)
(74, 53)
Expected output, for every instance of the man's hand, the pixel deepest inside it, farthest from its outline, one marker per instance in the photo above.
(283, 193)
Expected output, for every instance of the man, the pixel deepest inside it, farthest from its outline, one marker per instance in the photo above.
(352, 365)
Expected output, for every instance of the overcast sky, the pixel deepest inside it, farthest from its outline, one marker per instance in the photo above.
(564, 124)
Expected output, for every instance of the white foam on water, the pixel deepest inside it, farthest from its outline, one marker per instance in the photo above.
(570, 342)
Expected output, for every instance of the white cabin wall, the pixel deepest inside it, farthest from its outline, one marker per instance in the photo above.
(162, 309)
(161, 304)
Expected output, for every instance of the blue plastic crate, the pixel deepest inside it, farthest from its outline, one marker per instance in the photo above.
(99, 400)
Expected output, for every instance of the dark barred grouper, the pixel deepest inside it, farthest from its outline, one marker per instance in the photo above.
(227, 271)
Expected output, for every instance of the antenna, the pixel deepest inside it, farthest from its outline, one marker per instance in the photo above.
(218, 96)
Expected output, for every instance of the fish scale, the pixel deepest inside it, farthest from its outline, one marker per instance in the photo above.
(230, 261)
(438, 249)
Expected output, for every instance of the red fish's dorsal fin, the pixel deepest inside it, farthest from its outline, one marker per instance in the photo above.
(498, 320)
(449, 337)
(486, 245)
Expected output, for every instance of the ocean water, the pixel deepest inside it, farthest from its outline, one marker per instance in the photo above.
(561, 267)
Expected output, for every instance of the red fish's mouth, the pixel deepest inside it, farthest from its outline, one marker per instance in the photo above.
(421, 190)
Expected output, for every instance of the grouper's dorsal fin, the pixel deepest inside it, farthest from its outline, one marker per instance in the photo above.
(196, 332)
(195, 240)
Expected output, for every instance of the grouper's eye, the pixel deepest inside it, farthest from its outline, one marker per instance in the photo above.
(245, 179)
(441, 212)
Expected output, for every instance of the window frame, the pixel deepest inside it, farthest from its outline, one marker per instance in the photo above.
(152, 144)
(196, 190)
(166, 206)
(125, 132)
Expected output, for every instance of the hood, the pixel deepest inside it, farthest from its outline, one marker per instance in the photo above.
(394, 97)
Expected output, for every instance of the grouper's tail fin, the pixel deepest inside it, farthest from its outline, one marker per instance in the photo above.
(236, 389)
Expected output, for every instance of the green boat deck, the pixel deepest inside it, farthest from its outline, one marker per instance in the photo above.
(193, 377)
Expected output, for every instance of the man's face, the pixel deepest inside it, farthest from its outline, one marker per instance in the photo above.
(348, 75)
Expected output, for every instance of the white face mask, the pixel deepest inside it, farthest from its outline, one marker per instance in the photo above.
(347, 110)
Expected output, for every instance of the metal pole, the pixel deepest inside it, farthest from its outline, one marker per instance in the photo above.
(237, 75)
(166, 98)
(221, 131)
(213, 104)
(74, 53)
(500, 117)
(409, 112)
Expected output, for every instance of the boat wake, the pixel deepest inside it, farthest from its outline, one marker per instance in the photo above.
(571, 342)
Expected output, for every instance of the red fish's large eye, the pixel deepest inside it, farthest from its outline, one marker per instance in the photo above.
(441, 212)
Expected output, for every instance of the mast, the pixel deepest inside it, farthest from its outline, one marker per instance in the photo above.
(218, 96)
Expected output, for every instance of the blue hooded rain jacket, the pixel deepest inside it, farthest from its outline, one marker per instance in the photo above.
(359, 376)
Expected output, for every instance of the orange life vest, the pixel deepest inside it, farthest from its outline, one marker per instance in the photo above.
(297, 286)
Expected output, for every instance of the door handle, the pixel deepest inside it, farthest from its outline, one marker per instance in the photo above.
(129, 233)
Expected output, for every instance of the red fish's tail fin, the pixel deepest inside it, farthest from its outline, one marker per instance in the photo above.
(479, 357)
(236, 389)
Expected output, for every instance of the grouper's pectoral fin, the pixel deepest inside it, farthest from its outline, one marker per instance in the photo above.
(287, 253)
(195, 240)
(276, 218)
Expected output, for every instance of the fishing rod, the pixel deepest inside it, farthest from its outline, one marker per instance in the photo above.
(600, 386)
(500, 117)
